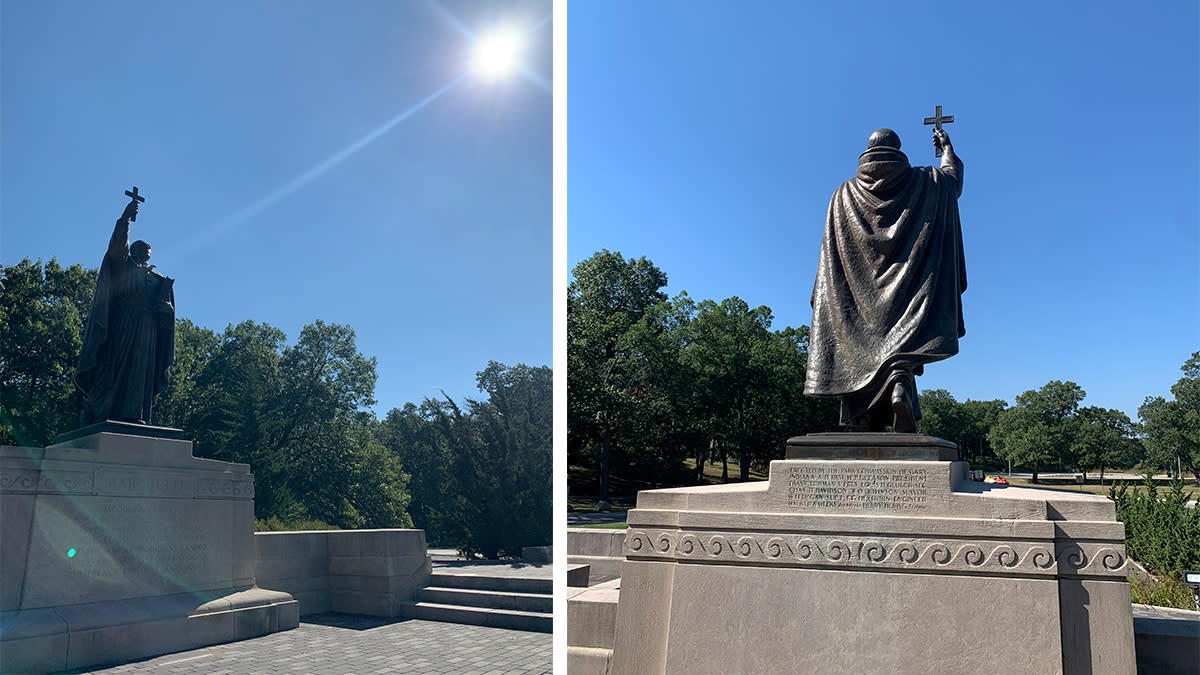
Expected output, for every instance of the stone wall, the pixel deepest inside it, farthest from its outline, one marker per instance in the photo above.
(353, 571)
(603, 550)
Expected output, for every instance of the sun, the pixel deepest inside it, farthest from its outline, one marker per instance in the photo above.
(497, 54)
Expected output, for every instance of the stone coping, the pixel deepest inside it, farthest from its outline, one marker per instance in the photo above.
(115, 427)
(871, 446)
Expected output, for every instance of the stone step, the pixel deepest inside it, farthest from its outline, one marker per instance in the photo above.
(530, 602)
(481, 616)
(492, 583)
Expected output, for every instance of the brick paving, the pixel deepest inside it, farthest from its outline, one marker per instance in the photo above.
(335, 644)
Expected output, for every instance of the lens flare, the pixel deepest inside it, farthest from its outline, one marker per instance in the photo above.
(497, 54)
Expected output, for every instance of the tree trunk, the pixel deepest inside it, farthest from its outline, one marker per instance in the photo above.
(1101, 475)
(1035, 472)
(745, 459)
(1193, 468)
(724, 467)
(605, 448)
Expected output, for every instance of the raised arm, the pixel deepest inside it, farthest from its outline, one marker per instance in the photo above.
(951, 164)
(118, 246)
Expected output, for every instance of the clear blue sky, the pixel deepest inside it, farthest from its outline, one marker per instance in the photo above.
(709, 136)
(284, 180)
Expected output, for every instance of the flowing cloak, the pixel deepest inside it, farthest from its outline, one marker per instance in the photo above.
(129, 342)
(888, 293)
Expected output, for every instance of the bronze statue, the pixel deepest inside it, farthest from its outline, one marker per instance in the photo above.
(129, 342)
(887, 297)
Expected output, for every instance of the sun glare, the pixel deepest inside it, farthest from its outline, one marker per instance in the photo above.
(497, 54)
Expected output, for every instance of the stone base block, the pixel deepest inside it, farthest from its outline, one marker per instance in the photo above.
(119, 546)
(867, 553)
(577, 575)
(592, 615)
(78, 636)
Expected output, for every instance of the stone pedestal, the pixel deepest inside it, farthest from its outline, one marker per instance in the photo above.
(118, 546)
(872, 553)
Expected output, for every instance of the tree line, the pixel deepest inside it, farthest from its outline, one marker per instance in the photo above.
(654, 381)
(475, 476)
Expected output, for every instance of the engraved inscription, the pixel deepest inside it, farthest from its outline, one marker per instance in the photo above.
(124, 548)
(829, 486)
(207, 487)
(178, 552)
(145, 484)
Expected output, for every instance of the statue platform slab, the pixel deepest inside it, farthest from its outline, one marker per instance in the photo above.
(121, 546)
(839, 563)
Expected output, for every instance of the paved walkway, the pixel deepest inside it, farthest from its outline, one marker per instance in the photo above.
(494, 568)
(333, 644)
(594, 517)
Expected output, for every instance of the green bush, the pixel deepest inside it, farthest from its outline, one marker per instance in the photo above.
(275, 524)
(1169, 591)
(1161, 532)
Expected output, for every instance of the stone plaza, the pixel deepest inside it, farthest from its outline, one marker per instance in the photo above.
(344, 643)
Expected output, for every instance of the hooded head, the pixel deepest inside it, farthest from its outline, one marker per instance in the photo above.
(883, 138)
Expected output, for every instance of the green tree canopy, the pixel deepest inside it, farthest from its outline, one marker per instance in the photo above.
(1104, 437)
(1040, 428)
(1172, 428)
(483, 475)
(607, 298)
(43, 309)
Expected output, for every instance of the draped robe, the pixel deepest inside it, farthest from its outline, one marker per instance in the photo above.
(129, 342)
(887, 297)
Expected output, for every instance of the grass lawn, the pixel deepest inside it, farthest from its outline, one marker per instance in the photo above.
(1068, 484)
(584, 483)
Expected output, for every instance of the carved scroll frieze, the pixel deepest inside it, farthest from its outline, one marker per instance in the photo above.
(879, 552)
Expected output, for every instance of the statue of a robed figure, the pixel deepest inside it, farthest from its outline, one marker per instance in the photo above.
(887, 298)
(129, 342)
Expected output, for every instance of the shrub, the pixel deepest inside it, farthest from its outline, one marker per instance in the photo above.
(1168, 591)
(1161, 532)
(275, 524)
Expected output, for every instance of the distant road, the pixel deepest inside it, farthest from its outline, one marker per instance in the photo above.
(574, 518)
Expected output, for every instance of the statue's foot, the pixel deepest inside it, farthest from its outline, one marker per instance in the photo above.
(902, 407)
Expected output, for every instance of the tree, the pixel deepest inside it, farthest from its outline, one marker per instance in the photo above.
(505, 478)
(660, 430)
(412, 434)
(749, 381)
(966, 423)
(980, 417)
(179, 403)
(296, 415)
(42, 313)
(942, 416)
(1172, 428)
(233, 413)
(482, 474)
(326, 384)
(1104, 437)
(1040, 428)
(608, 296)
